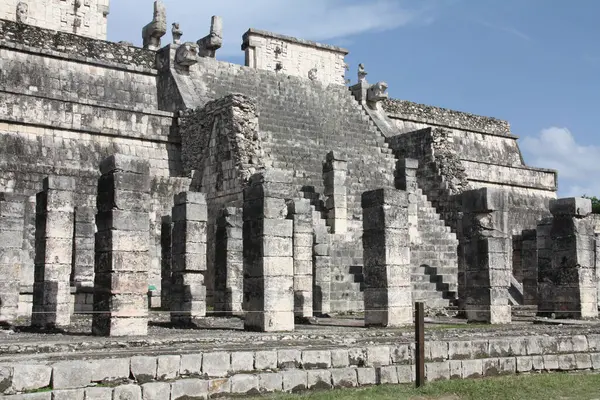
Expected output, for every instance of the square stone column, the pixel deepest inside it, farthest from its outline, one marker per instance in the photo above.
(335, 170)
(83, 265)
(122, 248)
(568, 285)
(54, 225)
(406, 179)
(12, 218)
(321, 267)
(529, 266)
(165, 262)
(188, 258)
(229, 269)
(268, 254)
(486, 246)
(386, 253)
(300, 211)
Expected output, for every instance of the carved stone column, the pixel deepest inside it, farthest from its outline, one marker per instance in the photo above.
(300, 212)
(529, 266)
(229, 269)
(334, 178)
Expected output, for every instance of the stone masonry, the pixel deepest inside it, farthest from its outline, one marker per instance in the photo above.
(122, 248)
(55, 220)
(229, 261)
(188, 258)
(388, 298)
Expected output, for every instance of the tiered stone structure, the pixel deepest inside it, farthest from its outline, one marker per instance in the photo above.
(12, 212)
(268, 254)
(188, 258)
(388, 298)
(567, 284)
(122, 248)
(486, 246)
(55, 221)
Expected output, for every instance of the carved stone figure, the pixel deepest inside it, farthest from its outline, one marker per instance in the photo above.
(208, 45)
(177, 33)
(187, 54)
(156, 29)
(377, 92)
(22, 12)
(362, 74)
(312, 74)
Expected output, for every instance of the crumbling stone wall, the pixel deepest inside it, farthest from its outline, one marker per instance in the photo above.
(86, 18)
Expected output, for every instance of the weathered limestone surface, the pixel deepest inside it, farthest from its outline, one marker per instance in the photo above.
(388, 298)
(55, 220)
(300, 212)
(208, 45)
(268, 254)
(568, 285)
(12, 220)
(188, 258)
(486, 256)
(156, 29)
(529, 266)
(229, 261)
(122, 248)
(334, 177)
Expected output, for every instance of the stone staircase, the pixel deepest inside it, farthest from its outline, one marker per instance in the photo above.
(434, 259)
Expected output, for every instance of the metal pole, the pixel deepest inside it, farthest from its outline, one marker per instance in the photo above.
(420, 343)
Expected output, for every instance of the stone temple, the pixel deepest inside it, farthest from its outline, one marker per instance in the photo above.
(160, 178)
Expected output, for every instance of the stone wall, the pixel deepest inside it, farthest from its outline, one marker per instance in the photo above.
(217, 373)
(86, 18)
(297, 57)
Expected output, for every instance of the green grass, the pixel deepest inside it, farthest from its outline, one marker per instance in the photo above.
(553, 386)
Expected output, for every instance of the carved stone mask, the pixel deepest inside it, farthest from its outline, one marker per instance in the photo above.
(22, 12)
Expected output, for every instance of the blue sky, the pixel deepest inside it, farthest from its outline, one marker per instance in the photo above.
(535, 63)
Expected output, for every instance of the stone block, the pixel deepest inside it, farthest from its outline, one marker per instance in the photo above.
(387, 375)
(357, 356)
(120, 162)
(339, 358)
(167, 367)
(270, 382)
(27, 377)
(143, 368)
(435, 371)
(472, 368)
(406, 373)
(436, 351)
(191, 365)
(344, 377)
(566, 362)
(573, 206)
(71, 374)
(538, 363)
(366, 376)
(32, 396)
(98, 393)
(403, 353)
(524, 363)
(70, 394)
(219, 387)
(127, 392)
(507, 365)
(490, 366)
(110, 369)
(244, 384)
(265, 360)
(319, 379)
(294, 380)
(242, 361)
(465, 350)
(378, 356)
(550, 362)
(290, 358)
(216, 364)
(455, 369)
(189, 389)
(156, 391)
(583, 361)
(316, 359)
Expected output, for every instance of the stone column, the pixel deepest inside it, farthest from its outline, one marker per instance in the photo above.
(386, 252)
(334, 178)
(268, 251)
(12, 218)
(188, 258)
(567, 286)
(165, 262)
(597, 262)
(406, 179)
(529, 266)
(301, 213)
(486, 254)
(53, 253)
(122, 248)
(229, 270)
(83, 265)
(321, 267)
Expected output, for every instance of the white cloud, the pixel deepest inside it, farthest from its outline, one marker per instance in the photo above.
(578, 165)
(308, 19)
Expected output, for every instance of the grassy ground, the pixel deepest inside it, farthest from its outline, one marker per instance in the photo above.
(556, 386)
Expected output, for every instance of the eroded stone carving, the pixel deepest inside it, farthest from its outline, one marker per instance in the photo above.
(187, 54)
(312, 74)
(177, 33)
(377, 92)
(22, 12)
(156, 29)
(362, 74)
(208, 45)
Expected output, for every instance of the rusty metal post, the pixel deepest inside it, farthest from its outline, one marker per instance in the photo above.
(420, 344)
